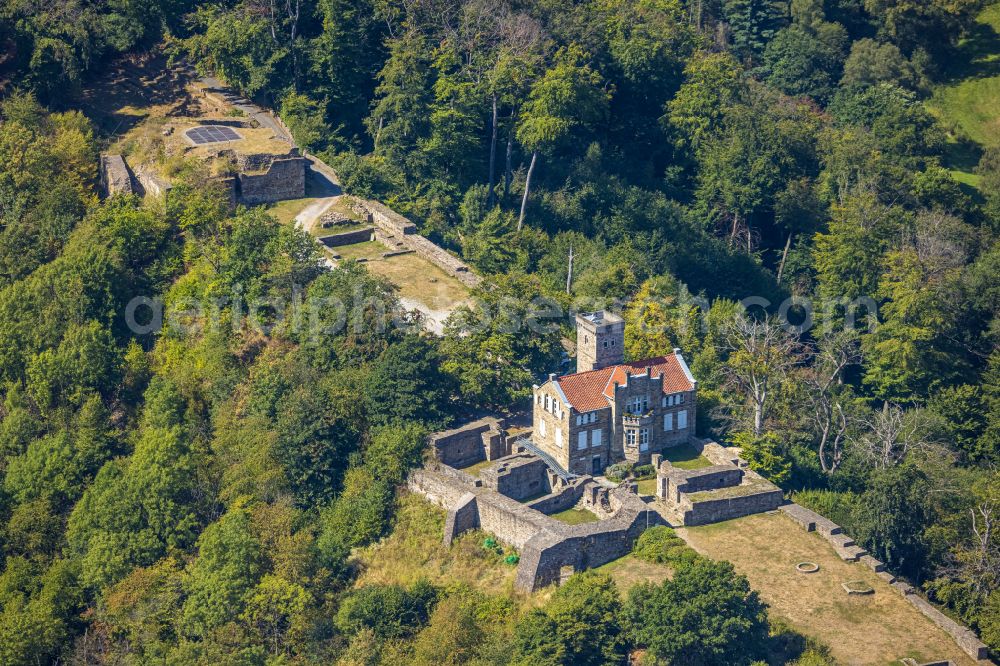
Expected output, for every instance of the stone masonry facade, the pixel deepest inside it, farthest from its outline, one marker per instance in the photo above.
(613, 411)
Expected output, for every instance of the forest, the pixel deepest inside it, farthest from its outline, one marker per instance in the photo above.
(195, 494)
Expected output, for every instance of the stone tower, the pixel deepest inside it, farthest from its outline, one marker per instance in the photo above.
(600, 340)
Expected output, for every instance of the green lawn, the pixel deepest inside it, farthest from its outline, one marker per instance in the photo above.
(475, 468)
(575, 516)
(647, 486)
(685, 457)
(285, 211)
(968, 105)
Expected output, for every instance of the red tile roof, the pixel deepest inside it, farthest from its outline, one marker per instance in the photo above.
(588, 391)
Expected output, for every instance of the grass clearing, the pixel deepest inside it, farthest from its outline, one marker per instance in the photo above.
(576, 516)
(629, 571)
(968, 105)
(415, 277)
(285, 211)
(413, 550)
(874, 629)
(685, 457)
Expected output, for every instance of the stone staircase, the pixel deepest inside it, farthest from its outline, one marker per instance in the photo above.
(549, 460)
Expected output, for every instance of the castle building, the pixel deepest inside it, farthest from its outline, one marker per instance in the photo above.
(611, 411)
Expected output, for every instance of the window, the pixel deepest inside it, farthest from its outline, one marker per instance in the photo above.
(664, 403)
(593, 417)
(559, 437)
(605, 345)
(668, 422)
(644, 439)
(680, 398)
(541, 427)
(630, 437)
(612, 342)
(581, 440)
(548, 403)
(637, 404)
(578, 419)
(595, 437)
(682, 419)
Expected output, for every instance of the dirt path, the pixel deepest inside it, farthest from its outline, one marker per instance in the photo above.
(306, 220)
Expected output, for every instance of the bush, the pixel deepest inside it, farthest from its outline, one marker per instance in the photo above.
(390, 611)
(662, 545)
(644, 472)
(831, 504)
(618, 471)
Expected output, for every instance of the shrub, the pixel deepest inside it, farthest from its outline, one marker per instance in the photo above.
(644, 472)
(831, 504)
(390, 611)
(618, 471)
(662, 545)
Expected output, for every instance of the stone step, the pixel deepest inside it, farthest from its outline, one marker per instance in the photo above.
(887, 577)
(850, 553)
(841, 541)
(875, 565)
(804, 517)
(827, 527)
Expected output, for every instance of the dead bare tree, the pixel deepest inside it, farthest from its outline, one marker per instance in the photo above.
(828, 401)
(889, 434)
(761, 355)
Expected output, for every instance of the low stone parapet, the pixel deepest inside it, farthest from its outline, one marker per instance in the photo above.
(848, 550)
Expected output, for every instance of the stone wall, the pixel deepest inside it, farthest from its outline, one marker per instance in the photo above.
(115, 176)
(723, 491)
(756, 499)
(150, 183)
(462, 518)
(581, 547)
(698, 480)
(285, 178)
(347, 238)
(518, 477)
(400, 228)
(811, 521)
(470, 443)
(547, 546)
(565, 496)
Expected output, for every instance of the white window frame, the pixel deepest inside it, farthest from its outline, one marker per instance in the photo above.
(559, 441)
(581, 440)
(595, 437)
(668, 422)
(644, 439)
(682, 419)
(541, 427)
